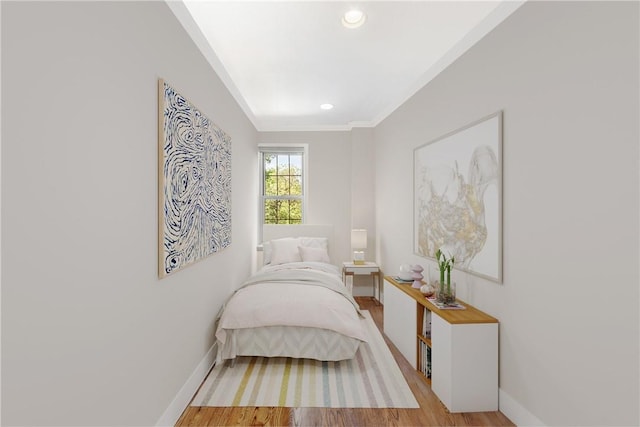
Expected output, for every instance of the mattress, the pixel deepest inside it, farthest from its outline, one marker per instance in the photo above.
(300, 310)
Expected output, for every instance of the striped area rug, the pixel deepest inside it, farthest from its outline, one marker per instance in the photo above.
(370, 380)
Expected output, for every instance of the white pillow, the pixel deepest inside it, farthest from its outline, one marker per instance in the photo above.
(312, 242)
(315, 242)
(308, 253)
(285, 250)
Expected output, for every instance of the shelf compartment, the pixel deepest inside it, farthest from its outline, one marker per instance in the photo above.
(427, 341)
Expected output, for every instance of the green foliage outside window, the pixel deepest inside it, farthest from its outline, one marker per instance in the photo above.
(282, 188)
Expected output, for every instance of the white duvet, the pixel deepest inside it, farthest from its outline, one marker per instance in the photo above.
(307, 294)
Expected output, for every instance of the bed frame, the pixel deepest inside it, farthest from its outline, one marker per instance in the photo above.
(271, 232)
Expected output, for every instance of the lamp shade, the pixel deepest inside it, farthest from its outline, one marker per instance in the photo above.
(359, 239)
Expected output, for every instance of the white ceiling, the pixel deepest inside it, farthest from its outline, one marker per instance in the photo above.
(282, 59)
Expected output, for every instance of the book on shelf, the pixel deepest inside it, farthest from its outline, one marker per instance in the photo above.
(425, 360)
(426, 323)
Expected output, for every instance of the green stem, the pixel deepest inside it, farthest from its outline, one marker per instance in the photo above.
(449, 279)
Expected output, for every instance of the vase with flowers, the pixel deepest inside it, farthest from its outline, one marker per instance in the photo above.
(446, 290)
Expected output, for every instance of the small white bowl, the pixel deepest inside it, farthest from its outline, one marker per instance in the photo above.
(405, 272)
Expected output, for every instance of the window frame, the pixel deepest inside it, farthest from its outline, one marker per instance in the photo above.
(275, 148)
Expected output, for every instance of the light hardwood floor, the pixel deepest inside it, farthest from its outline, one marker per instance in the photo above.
(430, 413)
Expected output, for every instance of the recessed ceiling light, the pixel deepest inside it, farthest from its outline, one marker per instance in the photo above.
(353, 18)
(326, 106)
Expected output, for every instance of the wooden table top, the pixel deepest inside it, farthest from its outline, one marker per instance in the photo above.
(469, 315)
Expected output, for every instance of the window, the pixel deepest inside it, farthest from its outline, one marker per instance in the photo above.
(283, 184)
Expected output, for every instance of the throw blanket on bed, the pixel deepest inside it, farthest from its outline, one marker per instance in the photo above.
(296, 294)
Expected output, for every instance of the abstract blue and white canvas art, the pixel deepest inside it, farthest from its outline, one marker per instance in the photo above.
(458, 197)
(194, 183)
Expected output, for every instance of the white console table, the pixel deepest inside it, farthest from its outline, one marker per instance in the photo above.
(462, 355)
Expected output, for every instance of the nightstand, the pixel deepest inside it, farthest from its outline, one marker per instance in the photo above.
(367, 269)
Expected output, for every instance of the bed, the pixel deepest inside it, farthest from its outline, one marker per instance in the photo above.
(294, 306)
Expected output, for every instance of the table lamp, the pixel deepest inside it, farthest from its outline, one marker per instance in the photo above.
(358, 244)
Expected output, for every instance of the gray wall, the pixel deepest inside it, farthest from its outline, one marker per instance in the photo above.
(328, 178)
(566, 76)
(90, 336)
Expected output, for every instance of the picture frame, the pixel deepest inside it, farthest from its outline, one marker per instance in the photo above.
(458, 197)
(194, 183)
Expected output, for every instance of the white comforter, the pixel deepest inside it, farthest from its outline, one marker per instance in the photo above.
(308, 294)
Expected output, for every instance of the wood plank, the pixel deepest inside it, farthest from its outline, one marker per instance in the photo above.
(431, 412)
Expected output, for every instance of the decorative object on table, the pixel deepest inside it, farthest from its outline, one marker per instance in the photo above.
(194, 183)
(446, 292)
(416, 275)
(428, 290)
(405, 273)
(458, 197)
(358, 244)
(449, 306)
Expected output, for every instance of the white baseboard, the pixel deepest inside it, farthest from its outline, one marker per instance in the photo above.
(182, 399)
(516, 412)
